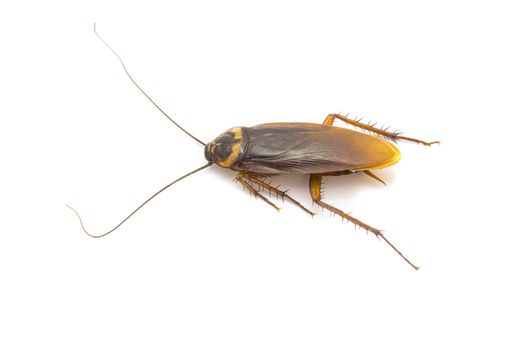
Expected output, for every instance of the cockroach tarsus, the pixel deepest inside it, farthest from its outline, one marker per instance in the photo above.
(259, 152)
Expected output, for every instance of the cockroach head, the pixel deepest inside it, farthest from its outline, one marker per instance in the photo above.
(228, 149)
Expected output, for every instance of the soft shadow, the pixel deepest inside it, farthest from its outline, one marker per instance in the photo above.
(335, 186)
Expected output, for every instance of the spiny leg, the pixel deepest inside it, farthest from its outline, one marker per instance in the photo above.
(394, 136)
(243, 180)
(374, 176)
(315, 192)
(347, 172)
(271, 189)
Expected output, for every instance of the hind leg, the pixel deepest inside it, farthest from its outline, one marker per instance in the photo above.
(315, 192)
(394, 136)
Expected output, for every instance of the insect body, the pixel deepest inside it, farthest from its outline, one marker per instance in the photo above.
(305, 149)
(300, 148)
(317, 150)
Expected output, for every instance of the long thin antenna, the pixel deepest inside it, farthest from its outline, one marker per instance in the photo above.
(138, 208)
(138, 87)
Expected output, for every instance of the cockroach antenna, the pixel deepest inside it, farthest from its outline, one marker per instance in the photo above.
(141, 90)
(167, 116)
(138, 208)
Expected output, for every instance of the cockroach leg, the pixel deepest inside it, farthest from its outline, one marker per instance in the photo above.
(315, 192)
(373, 176)
(394, 136)
(245, 182)
(254, 179)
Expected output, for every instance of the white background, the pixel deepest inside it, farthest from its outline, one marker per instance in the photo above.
(204, 266)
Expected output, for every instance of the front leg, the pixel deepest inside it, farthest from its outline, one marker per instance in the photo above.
(244, 180)
(255, 180)
(394, 136)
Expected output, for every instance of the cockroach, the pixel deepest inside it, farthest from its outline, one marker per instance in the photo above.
(317, 150)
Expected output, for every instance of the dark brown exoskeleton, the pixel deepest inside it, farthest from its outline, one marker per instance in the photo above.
(317, 150)
(305, 149)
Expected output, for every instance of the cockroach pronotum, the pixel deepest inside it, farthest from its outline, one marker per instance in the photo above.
(259, 152)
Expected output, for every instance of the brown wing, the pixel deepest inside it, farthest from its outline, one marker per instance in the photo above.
(305, 148)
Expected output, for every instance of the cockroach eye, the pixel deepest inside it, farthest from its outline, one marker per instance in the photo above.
(207, 152)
